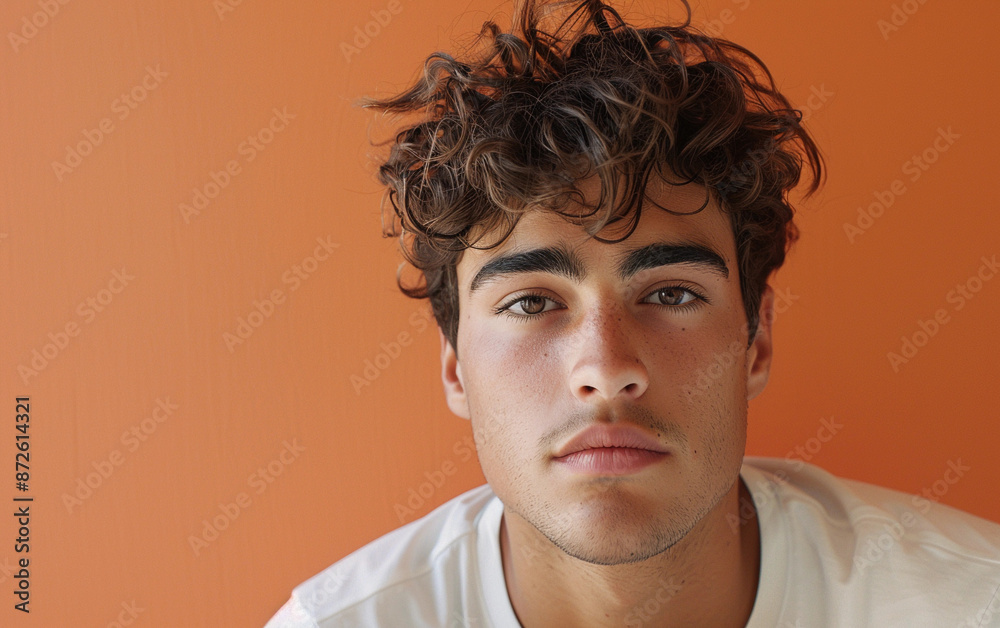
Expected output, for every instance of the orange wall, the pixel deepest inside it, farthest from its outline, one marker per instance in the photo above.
(205, 82)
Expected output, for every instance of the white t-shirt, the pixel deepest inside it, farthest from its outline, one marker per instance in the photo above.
(834, 552)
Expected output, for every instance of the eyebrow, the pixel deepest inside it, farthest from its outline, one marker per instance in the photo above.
(560, 261)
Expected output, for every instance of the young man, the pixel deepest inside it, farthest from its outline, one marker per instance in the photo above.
(596, 210)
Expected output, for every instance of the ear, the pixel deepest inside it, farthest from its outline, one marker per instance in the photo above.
(760, 352)
(451, 376)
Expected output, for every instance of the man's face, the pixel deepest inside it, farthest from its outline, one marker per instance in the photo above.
(598, 349)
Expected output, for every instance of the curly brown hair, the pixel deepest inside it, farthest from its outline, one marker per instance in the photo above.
(521, 122)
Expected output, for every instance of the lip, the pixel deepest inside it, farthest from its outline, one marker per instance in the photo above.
(610, 450)
(602, 436)
(610, 460)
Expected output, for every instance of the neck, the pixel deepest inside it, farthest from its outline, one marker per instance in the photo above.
(708, 578)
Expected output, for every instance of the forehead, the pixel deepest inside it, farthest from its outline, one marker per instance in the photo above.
(708, 229)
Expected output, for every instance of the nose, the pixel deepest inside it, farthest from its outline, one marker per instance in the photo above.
(606, 365)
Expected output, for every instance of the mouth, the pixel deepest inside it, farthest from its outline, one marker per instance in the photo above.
(610, 460)
(610, 449)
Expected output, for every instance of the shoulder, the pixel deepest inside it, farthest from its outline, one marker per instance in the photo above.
(864, 508)
(378, 581)
(875, 549)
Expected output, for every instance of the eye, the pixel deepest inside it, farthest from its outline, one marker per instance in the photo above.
(675, 295)
(531, 306)
(528, 306)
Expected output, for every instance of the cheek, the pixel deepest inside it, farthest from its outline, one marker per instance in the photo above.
(510, 386)
(713, 393)
(509, 372)
(709, 366)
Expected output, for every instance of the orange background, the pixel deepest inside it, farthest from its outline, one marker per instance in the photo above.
(64, 235)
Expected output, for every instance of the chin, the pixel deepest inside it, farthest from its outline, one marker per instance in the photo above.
(617, 533)
(611, 548)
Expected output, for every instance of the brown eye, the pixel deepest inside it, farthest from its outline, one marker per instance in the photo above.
(675, 297)
(532, 305)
